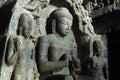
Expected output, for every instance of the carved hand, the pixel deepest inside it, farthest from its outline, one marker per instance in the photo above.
(66, 58)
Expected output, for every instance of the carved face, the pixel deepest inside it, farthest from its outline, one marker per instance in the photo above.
(80, 1)
(98, 48)
(87, 20)
(44, 3)
(24, 26)
(26, 30)
(63, 26)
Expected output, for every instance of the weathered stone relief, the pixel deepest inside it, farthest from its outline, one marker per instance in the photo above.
(98, 64)
(20, 52)
(50, 40)
(56, 51)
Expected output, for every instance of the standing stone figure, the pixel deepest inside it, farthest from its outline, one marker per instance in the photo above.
(56, 51)
(21, 53)
(98, 64)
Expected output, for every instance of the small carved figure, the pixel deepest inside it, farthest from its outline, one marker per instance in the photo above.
(56, 51)
(91, 5)
(37, 29)
(32, 6)
(98, 64)
(21, 52)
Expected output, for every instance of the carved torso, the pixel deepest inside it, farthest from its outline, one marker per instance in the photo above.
(26, 49)
(25, 63)
(57, 47)
(53, 48)
(98, 67)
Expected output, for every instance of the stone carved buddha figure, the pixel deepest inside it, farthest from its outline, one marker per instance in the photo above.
(56, 51)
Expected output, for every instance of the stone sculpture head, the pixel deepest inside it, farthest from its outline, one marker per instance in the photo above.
(44, 3)
(97, 48)
(87, 20)
(24, 26)
(62, 21)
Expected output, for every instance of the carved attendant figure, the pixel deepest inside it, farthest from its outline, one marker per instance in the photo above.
(98, 64)
(56, 50)
(20, 52)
